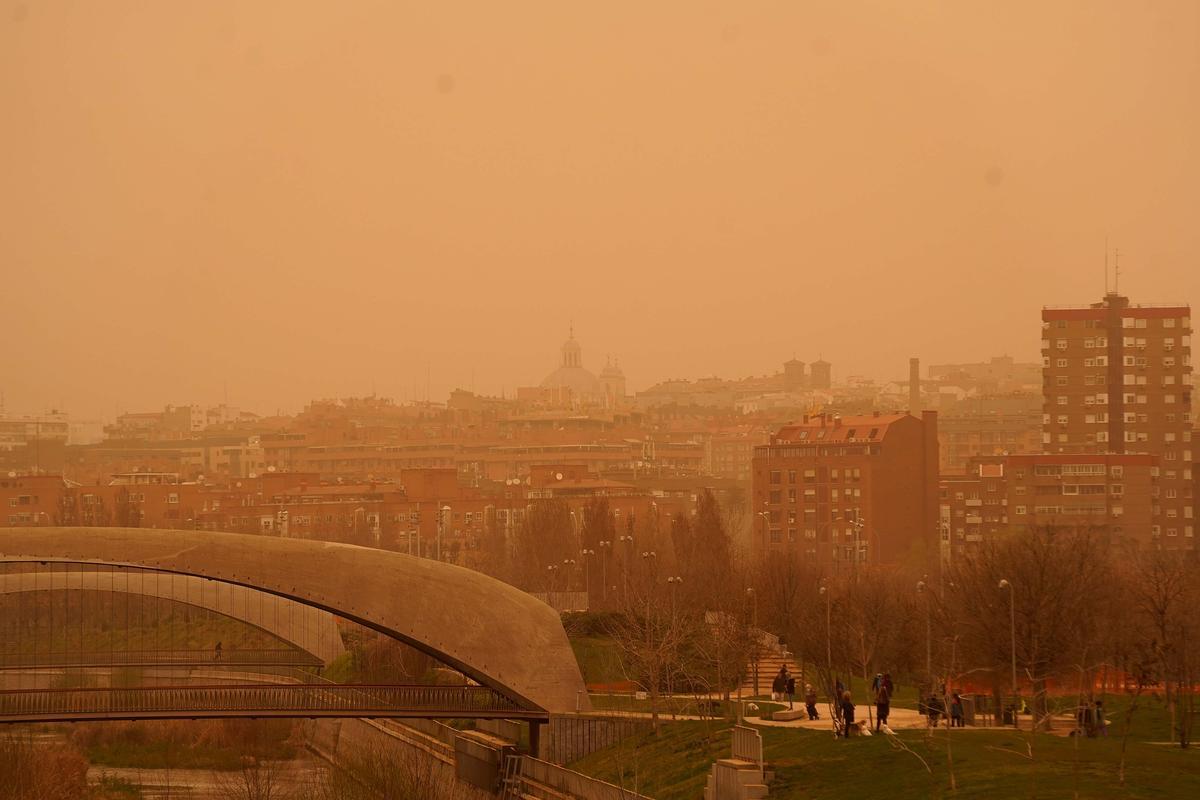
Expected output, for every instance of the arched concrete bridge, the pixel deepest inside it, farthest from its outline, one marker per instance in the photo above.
(311, 632)
(499, 636)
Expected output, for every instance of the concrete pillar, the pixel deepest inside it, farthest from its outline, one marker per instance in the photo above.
(535, 736)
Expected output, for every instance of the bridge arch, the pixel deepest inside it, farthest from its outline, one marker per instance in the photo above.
(302, 626)
(490, 631)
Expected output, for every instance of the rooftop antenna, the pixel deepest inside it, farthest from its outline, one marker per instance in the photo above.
(1116, 270)
(1106, 265)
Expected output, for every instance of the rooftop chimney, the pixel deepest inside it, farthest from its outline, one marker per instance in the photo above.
(914, 386)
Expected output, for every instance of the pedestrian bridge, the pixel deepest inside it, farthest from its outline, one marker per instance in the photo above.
(283, 700)
(505, 641)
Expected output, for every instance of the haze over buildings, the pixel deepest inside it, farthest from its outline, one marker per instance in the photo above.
(264, 203)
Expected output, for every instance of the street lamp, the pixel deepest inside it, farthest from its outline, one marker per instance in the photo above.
(442, 512)
(627, 545)
(923, 588)
(587, 573)
(1012, 612)
(754, 632)
(674, 582)
(605, 552)
(828, 630)
(550, 570)
(766, 517)
(569, 569)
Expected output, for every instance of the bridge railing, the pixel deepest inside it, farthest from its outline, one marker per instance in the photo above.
(293, 699)
(119, 658)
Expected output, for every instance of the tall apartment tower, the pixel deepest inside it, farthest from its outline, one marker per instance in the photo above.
(1117, 378)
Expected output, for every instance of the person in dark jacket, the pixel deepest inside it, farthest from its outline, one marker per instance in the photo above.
(936, 709)
(810, 702)
(956, 711)
(779, 685)
(883, 705)
(791, 691)
(847, 714)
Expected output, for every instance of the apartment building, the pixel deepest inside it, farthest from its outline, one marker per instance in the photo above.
(1117, 378)
(849, 490)
(1115, 495)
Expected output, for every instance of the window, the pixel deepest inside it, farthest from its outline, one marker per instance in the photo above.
(775, 476)
(792, 477)
(1060, 380)
(1168, 323)
(1062, 400)
(1062, 362)
(1061, 344)
(774, 497)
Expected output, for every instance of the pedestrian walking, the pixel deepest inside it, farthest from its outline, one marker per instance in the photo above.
(779, 684)
(217, 652)
(936, 709)
(883, 703)
(847, 707)
(810, 701)
(1101, 721)
(956, 711)
(791, 691)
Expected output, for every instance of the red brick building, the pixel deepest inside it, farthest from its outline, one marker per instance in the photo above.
(1112, 494)
(846, 490)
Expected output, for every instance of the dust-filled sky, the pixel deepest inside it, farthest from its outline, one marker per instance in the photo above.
(283, 200)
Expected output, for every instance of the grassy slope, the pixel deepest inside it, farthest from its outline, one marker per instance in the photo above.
(810, 764)
(598, 658)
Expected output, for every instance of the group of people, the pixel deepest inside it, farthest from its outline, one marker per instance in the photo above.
(882, 689)
(783, 687)
(934, 707)
(1091, 720)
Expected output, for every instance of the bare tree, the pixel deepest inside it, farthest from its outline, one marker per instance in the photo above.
(1163, 588)
(1056, 577)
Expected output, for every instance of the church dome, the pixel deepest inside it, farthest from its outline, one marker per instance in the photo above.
(571, 374)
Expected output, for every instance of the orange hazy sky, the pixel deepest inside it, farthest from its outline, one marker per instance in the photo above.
(295, 199)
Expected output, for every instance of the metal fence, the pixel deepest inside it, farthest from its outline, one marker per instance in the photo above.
(329, 700)
(159, 658)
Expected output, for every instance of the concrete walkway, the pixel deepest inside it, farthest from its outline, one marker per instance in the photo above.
(899, 719)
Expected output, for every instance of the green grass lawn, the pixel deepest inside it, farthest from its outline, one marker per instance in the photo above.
(987, 763)
(599, 659)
